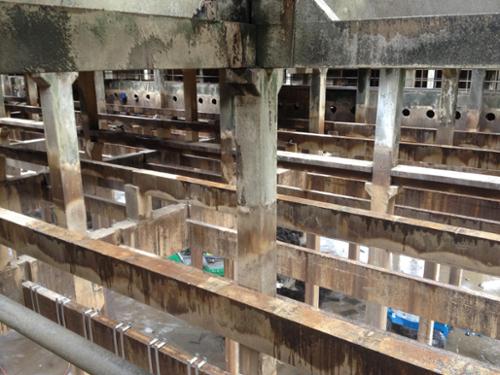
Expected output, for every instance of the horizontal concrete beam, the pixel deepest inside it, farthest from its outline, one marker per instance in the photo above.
(460, 41)
(314, 341)
(52, 38)
(427, 298)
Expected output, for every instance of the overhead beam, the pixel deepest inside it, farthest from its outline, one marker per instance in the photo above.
(290, 331)
(451, 41)
(52, 38)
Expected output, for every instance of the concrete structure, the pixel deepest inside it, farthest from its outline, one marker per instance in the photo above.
(132, 133)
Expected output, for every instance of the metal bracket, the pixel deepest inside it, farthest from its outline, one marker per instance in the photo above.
(60, 302)
(34, 298)
(150, 361)
(87, 323)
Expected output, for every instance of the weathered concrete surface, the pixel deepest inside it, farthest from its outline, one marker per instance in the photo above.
(447, 106)
(445, 41)
(55, 38)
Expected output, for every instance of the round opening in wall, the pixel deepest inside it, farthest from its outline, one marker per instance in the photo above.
(333, 109)
(148, 97)
(214, 101)
(136, 97)
(490, 116)
(430, 113)
(200, 100)
(406, 112)
(458, 115)
(174, 98)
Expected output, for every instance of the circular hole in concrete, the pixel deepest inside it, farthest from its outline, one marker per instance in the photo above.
(214, 101)
(353, 110)
(406, 112)
(490, 116)
(174, 98)
(148, 97)
(200, 100)
(333, 109)
(458, 115)
(430, 113)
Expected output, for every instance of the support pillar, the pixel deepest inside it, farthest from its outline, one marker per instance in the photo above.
(190, 101)
(385, 157)
(31, 95)
(56, 96)
(227, 132)
(447, 107)
(363, 96)
(317, 99)
(426, 327)
(475, 99)
(232, 347)
(138, 205)
(3, 112)
(255, 118)
(92, 102)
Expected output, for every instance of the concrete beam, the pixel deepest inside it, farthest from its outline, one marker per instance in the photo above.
(452, 41)
(57, 38)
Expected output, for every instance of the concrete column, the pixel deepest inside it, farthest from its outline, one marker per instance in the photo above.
(475, 99)
(227, 132)
(3, 112)
(317, 99)
(232, 347)
(385, 157)
(363, 95)
(255, 118)
(31, 94)
(354, 250)
(56, 96)
(62, 149)
(92, 102)
(410, 78)
(139, 206)
(447, 107)
(426, 327)
(190, 100)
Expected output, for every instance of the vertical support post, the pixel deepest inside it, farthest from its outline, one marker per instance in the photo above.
(354, 251)
(232, 347)
(385, 157)
(363, 96)
(255, 117)
(61, 138)
(92, 102)
(317, 99)
(3, 112)
(226, 118)
(475, 99)
(410, 78)
(426, 327)
(138, 206)
(190, 100)
(447, 107)
(160, 85)
(31, 94)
